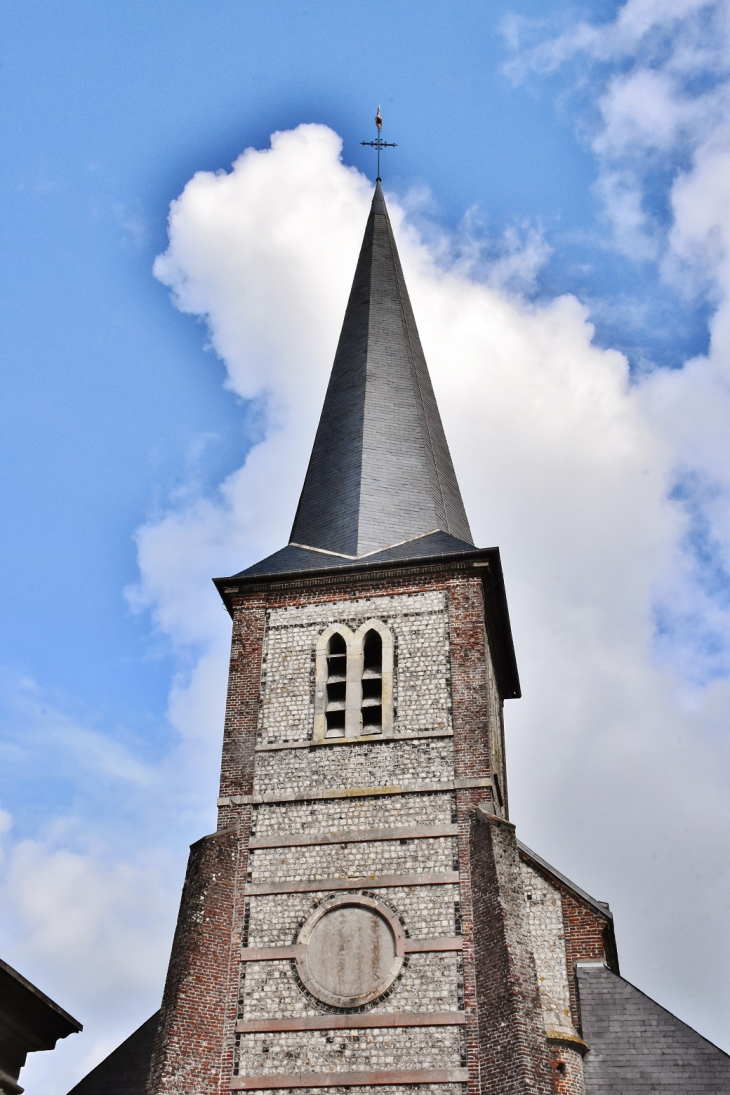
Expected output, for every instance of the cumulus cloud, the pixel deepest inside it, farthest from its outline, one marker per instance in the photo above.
(89, 901)
(74, 908)
(94, 935)
(660, 129)
(607, 494)
(653, 88)
(575, 470)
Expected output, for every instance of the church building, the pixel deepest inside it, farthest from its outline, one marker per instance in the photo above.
(365, 920)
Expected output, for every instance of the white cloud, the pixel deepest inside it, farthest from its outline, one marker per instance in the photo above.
(662, 141)
(655, 86)
(89, 901)
(563, 462)
(30, 716)
(619, 752)
(90, 929)
(655, 83)
(639, 24)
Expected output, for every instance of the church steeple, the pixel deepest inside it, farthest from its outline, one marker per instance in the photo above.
(380, 472)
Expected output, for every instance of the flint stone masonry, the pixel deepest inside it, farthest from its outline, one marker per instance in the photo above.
(354, 815)
(419, 624)
(358, 764)
(513, 1052)
(349, 1050)
(427, 983)
(545, 917)
(353, 860)
(425, 911)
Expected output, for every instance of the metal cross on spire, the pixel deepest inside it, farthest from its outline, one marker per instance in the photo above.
(379, 143)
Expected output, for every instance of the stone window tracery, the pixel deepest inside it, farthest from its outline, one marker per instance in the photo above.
(354, 682)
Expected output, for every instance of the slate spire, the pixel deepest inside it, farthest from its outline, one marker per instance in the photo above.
(380, 472)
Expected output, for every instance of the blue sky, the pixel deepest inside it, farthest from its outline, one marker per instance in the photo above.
(563, 160)
(110, 398)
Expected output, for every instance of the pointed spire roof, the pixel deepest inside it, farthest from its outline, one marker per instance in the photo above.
(380, 472)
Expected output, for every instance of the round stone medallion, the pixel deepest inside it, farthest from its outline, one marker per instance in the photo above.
(351, 951)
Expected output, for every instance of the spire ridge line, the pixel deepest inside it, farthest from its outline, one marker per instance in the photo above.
(380, 471)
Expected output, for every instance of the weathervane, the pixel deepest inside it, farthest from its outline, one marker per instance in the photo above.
(379, 143)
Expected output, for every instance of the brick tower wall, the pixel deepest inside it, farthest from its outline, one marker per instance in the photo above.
(386, 820)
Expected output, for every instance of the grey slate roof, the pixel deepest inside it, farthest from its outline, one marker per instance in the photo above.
(380, 470)
(292, 561)
(636, 1047)
(293, 558)
(125, 1070)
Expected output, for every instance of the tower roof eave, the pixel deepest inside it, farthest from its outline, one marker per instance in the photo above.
(294, 564)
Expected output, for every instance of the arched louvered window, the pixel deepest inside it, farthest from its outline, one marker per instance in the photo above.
(336, 687)
(353, 695)
(372, 683)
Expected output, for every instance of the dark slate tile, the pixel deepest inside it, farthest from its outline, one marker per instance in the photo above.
(380, 469)
(125, 1070)
(637, 1047)
(292, 558)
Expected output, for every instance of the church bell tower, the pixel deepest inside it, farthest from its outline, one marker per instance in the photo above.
(360, 921)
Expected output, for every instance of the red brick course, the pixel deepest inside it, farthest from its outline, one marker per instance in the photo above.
(470, 717)
(469, 693)
(187, 1052)
(242, 704)
(513, 1053)
(567, 1071)
(195, 1039)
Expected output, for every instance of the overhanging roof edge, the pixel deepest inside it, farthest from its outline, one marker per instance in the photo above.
(41, 998)
(499, 628)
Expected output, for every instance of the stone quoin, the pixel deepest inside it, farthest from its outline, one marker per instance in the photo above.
(365, 919)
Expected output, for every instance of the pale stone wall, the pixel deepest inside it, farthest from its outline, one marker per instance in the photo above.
(361, 764)
(545, 916)
(424, 911)
(385, 857)
(427, 983)
(354, 815)
(349, 1050)
(382, 1089)
(419, 624)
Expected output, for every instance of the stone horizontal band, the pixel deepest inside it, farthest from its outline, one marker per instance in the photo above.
(374, 882)
(363, 739)
(354, 792)
(350, 1079)
(368, 1020)
(410, 946)
(413, 832)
